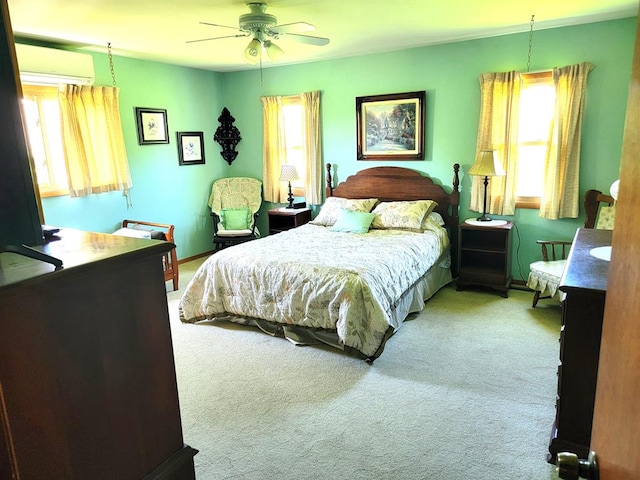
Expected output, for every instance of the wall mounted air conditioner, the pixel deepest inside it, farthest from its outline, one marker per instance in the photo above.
(50, 66)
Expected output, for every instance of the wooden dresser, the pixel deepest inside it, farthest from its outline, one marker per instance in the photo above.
(584, 284)
(87, 375)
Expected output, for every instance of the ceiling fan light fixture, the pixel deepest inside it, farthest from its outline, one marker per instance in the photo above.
(274, 51)
(253, 51)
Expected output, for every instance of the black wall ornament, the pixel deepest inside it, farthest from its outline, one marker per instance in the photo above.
(228, 136)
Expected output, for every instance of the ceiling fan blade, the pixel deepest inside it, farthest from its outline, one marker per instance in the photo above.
(319, 41)
(293, 27)
(215, 38)
(218, 25)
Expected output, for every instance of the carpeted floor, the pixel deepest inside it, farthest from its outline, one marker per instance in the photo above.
(464, 390)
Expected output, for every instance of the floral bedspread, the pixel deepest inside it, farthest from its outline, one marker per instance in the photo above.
(317, 278)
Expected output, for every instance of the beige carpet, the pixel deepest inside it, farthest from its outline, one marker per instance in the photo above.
(464, 390)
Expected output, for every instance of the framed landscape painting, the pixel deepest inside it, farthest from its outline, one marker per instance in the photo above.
(391, 127)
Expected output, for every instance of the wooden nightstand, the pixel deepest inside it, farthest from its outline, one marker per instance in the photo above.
(485, 256)
(286, 219)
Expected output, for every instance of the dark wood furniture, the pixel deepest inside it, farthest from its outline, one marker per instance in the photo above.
(390, 184)
(281, 219)
(485, 257)
(170, 259)
(87, 377)
(593, 200)
(20, 213)
(584, 284)
(555, 251)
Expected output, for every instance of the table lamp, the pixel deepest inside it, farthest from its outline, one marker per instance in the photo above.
(288, 173)
(486, 165)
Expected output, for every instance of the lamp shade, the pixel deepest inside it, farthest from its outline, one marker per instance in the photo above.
(253, 51)
(273, 51)
(487, 164)
(615, 186)
(288, 173)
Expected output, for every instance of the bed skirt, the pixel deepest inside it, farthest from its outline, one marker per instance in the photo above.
(413, 300)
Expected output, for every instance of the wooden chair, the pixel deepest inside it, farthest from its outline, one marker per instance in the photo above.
(600, 210)
(159, 231)
(544, 276)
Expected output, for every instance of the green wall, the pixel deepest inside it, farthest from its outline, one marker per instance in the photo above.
(165, 192)
(449, 74)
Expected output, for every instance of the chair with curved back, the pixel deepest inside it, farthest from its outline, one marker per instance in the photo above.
(234, 204)
(544, 276)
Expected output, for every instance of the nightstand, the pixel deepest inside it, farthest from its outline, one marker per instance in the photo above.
(281, 219)
(485, 256)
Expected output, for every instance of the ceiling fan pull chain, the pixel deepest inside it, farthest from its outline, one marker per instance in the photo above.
(110, 57)
(530, 43)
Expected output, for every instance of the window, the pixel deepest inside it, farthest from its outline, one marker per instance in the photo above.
(537, 99)
(292, 137)
(42, 121)
(293, 113)
(499, 129)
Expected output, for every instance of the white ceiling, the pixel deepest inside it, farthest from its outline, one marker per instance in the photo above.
(159, 29)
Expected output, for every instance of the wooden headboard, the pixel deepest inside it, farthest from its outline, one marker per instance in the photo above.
(389, 184)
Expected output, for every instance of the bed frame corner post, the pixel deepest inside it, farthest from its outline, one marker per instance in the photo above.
(329, 182)
(455, 209)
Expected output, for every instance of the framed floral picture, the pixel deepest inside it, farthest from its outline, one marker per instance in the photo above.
(190, 148)
(391, 127)
(152, 126)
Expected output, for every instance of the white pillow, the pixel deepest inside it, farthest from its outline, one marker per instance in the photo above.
(434, 218)
(133, 232)
(333, 205)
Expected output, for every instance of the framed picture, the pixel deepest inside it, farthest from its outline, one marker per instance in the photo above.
(152, 126)
(190, 148)
(391, 127)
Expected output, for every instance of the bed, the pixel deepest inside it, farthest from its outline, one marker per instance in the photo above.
(323, 283)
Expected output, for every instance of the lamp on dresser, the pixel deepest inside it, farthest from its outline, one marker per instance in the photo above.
(287, 174)
(486, 165)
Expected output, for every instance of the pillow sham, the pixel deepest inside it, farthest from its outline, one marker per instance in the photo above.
(434, 218)
(235, 218)
(331, 208)
(352, 222)
(407, 215)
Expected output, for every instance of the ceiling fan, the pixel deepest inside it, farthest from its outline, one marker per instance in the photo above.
(262, 27)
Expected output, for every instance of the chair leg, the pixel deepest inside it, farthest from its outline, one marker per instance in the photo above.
(536, 297)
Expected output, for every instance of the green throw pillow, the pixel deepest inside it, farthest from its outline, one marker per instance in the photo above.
(236, 218)
(353, 222)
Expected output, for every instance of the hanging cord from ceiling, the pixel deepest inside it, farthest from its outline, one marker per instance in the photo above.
(530, 43)
(110, 57)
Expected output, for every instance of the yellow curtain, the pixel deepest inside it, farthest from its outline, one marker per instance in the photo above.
(312, 147)
(93, 141)
(273, 150)
(560, 198)
(498, 130)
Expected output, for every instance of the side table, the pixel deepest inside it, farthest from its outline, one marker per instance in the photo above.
(281, 219)
(485, 256)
